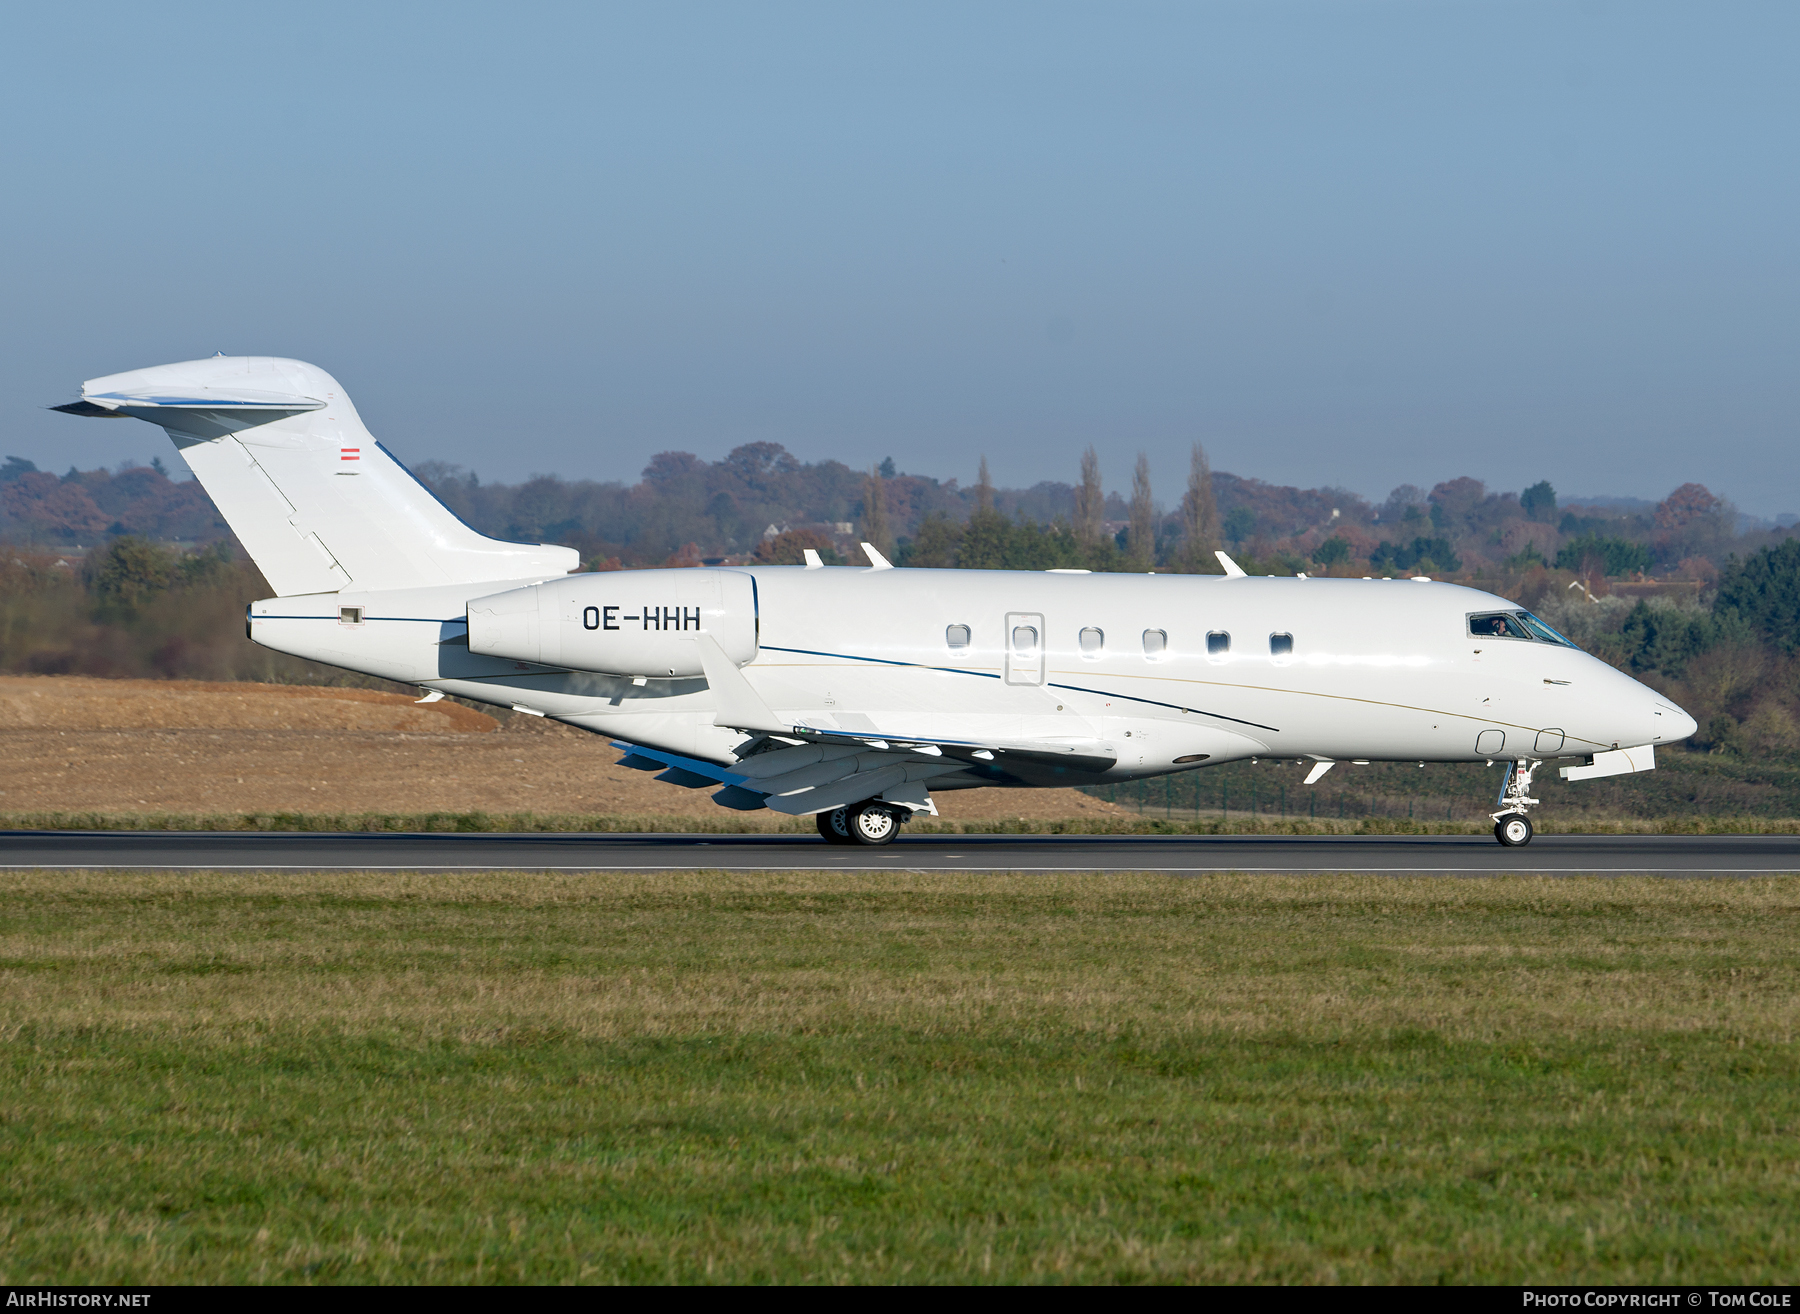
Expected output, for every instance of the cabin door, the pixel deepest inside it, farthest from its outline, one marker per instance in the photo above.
(1024, 647)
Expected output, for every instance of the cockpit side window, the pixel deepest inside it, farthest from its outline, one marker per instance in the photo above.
(1498, 625)
(1514, 625)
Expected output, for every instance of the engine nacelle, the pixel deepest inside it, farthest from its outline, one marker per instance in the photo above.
(620, 622)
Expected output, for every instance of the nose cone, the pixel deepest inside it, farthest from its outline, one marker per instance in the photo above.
(1672, 724)
(1621, 713)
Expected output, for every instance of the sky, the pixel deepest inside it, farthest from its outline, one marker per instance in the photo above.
(1343, 243)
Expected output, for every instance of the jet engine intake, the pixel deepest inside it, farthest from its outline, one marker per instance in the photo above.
(621, 622)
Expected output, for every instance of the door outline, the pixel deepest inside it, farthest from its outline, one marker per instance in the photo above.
(1020, 668)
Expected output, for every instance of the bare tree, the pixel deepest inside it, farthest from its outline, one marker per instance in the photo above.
(875, 525)
(984, 489)
(1143, 516)
(1090, 500)
(1200, 517)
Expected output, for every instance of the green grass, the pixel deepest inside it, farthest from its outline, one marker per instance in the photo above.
(857, 1077)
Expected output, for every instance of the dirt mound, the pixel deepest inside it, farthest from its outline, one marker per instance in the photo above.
(77, 744)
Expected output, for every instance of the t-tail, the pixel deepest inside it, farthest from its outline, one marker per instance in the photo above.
(320, 505)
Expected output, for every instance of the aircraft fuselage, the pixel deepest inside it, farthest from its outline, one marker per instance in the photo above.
(1115, 676)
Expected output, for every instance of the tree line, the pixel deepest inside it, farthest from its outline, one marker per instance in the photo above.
(760, 503)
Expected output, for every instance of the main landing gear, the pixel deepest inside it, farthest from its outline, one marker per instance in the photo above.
(871, 823)
(1511, 826)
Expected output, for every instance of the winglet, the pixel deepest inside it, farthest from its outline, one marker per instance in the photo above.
(1232, 569)
(876, 560)
(735, 704)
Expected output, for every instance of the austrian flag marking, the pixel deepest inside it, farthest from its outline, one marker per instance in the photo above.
(350, 453)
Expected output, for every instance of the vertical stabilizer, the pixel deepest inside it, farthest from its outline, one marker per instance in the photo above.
(316, 501)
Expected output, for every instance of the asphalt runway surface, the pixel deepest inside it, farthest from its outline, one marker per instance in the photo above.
(1463, 855)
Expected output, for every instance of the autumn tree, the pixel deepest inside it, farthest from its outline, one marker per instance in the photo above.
(1142, 534)
(875, 521)
(1688, 505)
(1199, 516)
(1090, 500)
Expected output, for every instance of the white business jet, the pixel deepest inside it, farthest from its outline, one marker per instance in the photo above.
(852, 695)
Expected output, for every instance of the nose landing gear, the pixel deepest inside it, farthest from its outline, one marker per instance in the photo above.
(1512, 827)
(1514, 830)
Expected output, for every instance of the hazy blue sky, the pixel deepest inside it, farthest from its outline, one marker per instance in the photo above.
(1350, 243)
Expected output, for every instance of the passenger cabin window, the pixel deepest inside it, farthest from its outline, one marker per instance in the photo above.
(1093, 642)
(1514, 625)
(1156, 642)
(957, 636)
(1218, 643)
(1024, 638)
(1281, 645)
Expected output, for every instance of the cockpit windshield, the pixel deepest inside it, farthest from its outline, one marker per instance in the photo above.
(1515, 625)
(1539, 630)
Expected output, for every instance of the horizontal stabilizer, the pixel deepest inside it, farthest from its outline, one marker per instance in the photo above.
(236, 399)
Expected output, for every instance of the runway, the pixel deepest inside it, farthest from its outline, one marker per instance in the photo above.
(1683, 855)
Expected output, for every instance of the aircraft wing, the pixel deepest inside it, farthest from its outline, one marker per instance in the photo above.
(801, 776)
(801, 769)
(801, 779)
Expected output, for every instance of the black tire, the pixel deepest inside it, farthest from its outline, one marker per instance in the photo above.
(1514, 832)
(834, 826)
(872, 824)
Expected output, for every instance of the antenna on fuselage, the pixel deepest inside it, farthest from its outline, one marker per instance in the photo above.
(1232, 569)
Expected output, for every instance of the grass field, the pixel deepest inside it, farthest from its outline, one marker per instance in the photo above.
(858, 1077)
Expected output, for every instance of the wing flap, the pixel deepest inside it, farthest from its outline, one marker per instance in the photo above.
(852, 789)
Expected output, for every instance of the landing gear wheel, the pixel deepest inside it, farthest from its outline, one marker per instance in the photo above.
(872, 824)
(834, 826)
(1514, 831)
